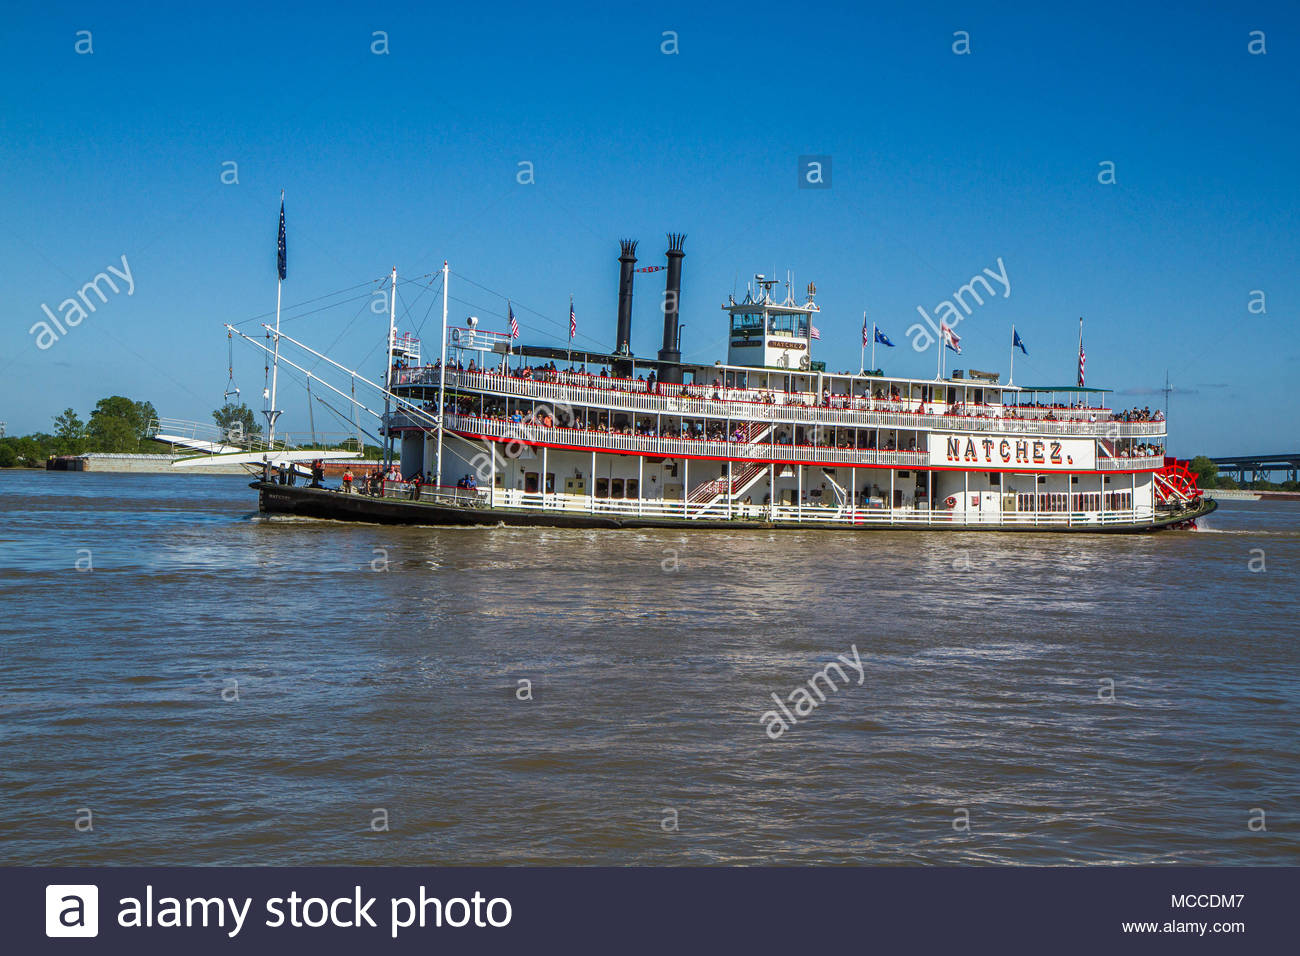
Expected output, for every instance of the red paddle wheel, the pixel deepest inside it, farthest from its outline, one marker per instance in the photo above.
(1176, 483)
(1176, 488)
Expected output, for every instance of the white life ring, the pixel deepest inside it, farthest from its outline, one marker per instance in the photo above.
(455, 335)
(950, 501)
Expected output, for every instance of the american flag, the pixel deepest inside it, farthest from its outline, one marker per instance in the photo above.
(514, 326)
(573, 322)
(866, 339)
(813, 331)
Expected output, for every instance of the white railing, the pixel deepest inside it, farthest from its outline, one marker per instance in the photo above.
(497, 428)
(810, 513)
(783, 409)
(1131, 464)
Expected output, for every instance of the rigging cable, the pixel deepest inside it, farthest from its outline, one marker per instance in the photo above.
(514, 301)
(231, 387)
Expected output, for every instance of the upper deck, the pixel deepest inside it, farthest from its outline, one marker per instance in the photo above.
(769, 402)
(844, 401)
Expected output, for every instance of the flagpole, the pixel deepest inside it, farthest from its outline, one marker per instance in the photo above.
(272, 414)
(938, 365)
(1011, 378)
(388, 371)
(442, 378)
(570, 329)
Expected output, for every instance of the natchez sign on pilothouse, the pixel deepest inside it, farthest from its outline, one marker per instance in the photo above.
(999, 453)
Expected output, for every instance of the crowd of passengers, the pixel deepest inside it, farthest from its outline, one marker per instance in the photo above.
(647, 427)
(1141, 451)
(1140, 415)
(888, 398)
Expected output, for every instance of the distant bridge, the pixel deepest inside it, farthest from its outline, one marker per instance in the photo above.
(1258, 465)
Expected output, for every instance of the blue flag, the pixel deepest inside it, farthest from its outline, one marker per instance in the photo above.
(883, 339)
(1017, 342)
(280, 250)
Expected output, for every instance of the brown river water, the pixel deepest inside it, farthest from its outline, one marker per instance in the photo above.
(186, 682)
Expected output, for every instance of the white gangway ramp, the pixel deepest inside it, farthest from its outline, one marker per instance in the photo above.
(214, 446)
(199, 436)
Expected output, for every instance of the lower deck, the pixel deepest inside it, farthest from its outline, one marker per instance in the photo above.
(398, 503)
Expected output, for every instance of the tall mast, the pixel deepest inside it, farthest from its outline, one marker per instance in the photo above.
(388, 370)
(442, 377)
(273, 413)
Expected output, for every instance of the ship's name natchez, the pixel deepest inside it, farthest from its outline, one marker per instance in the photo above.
(1043, 453)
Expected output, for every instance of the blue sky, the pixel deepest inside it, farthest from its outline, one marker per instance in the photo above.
(941, 164)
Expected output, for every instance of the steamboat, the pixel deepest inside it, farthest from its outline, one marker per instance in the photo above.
(491, 431)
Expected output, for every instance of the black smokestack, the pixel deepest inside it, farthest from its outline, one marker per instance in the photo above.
(627, 262)
(670, 355)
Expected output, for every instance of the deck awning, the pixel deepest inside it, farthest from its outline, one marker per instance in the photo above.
(1063, 388)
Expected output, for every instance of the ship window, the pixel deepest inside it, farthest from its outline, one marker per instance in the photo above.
(633, 488)
(616, 488)
(602, 487)
(747, 321)
(550, 482)
(530, 482)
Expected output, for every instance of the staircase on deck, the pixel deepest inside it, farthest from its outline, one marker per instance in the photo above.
(713, 495)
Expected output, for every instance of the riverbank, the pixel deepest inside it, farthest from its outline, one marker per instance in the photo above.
(1245, 494)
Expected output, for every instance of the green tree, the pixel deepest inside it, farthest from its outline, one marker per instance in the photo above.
(239, 417)
(118, 424)
(70, 431)
(27, 451)
(1207, 472)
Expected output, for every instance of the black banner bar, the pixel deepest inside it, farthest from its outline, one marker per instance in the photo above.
(479, 910)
